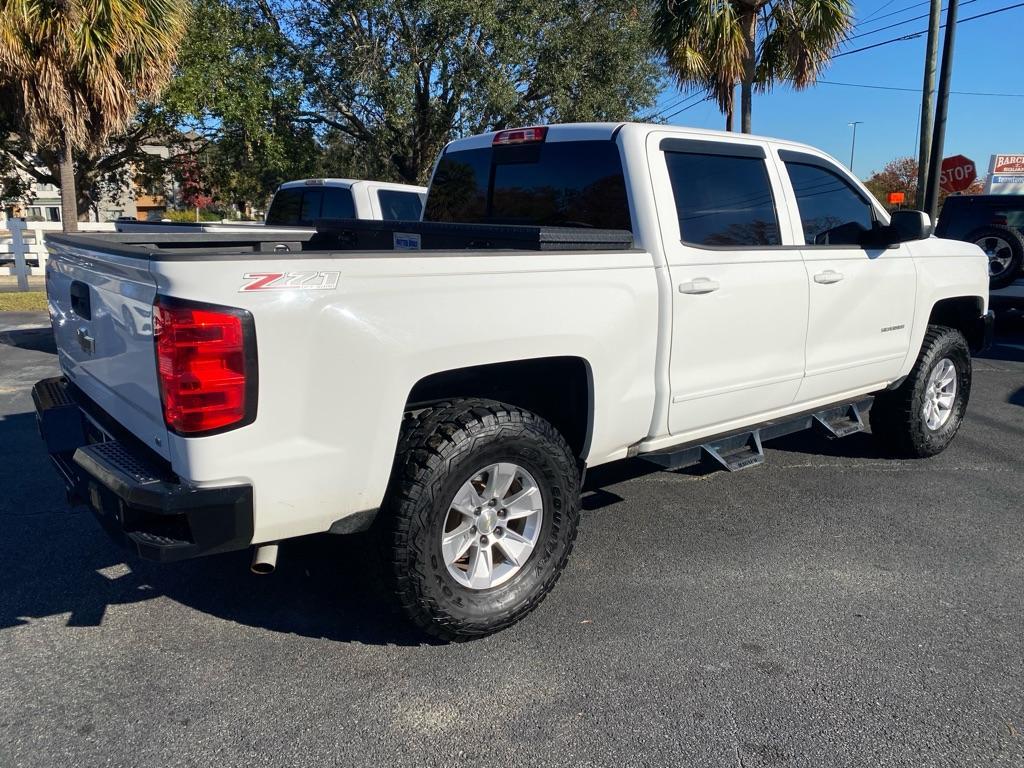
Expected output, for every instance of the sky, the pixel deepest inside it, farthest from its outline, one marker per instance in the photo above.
(988, 59)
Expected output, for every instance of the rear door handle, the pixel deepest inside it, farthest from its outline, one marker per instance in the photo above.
(828, 277)
(699, 285)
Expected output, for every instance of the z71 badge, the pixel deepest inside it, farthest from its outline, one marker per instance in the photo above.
(290, 281)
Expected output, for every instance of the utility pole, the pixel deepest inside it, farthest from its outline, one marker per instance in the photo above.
(931, 53)
(931, 200)
(853, 143)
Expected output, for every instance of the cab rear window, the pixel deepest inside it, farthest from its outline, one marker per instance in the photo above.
(569, 184)
(304, 205)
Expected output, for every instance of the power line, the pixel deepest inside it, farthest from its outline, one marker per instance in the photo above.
(901, 23)
(913, 35)
(685, 97)
(689, 106)
(874, 13)
(893, 13)
(918, 90)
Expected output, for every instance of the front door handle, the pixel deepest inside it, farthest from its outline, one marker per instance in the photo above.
(828, 277)
(699, 285)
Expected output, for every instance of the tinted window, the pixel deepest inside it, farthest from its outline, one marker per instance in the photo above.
(832, 211)
(304, 205)
(337, 204)
(311, 202)
(399, 206)
(723, 200)
(285, 207)
(572, 184)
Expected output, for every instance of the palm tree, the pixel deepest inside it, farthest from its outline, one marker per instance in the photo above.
(714, 44)
(77, 70)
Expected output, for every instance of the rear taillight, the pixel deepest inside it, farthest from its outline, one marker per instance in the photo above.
(533, 135)
(206, 363)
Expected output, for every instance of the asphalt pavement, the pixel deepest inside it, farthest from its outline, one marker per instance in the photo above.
(829, 608)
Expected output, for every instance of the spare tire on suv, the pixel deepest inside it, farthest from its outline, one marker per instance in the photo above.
(1005, 250)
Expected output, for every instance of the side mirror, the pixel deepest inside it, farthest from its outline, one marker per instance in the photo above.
(906, 226)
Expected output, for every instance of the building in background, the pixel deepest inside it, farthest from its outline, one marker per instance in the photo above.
(136, 199)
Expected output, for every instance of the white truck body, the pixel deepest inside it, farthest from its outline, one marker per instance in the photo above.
(679, 342)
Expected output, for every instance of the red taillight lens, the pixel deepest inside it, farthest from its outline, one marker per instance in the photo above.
(520, 136)
(206, 372)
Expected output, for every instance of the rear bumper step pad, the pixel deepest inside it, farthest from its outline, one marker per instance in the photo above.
(141, 503)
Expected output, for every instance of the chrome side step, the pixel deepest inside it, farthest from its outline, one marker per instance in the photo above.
(743, 449)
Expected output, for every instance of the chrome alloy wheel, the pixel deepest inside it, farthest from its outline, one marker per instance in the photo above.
(940, 394)
(999, 252)
(492, 526)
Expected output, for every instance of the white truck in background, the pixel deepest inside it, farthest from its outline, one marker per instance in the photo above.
(300, 203)
(575, 295)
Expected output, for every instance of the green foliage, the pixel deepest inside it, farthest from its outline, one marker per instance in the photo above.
(396, 80)
(190, 216)
(23, 301)
(282, 89)
(754, 43)
(238, 91)
(101, 170)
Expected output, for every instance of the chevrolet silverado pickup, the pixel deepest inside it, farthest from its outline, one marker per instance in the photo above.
(574, 295)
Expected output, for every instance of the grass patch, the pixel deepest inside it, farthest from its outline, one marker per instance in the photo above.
(23, 301)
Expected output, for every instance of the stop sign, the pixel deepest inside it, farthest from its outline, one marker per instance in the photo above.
(958, 173)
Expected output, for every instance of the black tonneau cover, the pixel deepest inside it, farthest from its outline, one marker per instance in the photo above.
(338, 237)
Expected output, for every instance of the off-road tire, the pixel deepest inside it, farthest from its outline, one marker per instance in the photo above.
(440, 448)
(1014, 242)
(897, 419)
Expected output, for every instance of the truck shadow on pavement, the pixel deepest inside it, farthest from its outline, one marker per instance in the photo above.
(60, 562)
(34, 339)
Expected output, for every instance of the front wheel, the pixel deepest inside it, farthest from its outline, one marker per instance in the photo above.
(480, 516)
(921, 417)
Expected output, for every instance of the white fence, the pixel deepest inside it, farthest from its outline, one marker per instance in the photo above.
(22, 250)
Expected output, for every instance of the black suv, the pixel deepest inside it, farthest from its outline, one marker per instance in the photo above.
(993, 222)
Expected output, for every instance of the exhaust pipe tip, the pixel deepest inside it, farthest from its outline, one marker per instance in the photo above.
(264, 559)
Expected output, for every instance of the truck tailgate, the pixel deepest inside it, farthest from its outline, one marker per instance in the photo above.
(101, 306)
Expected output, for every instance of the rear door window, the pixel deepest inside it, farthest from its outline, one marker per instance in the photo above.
(723, 200)
(568, 184)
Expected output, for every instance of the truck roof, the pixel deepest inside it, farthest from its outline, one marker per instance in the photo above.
(598, 131)
(349, 183)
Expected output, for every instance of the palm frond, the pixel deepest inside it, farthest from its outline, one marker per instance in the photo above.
(80, 67)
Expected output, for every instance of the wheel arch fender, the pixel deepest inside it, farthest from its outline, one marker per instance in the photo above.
(559, 389)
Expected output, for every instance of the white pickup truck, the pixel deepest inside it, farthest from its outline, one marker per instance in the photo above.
(300, 203)
(677, 295)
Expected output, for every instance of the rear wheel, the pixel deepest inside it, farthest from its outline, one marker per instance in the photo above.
(1005, 250)
(481, 516)
(921, 417)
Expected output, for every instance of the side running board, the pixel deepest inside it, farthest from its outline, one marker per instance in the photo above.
(739, 450)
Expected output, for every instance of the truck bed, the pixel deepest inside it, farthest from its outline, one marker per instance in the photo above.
(347, 235)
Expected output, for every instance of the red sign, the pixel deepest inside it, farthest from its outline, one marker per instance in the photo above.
(897, 198)
(958, 173)
(1008, 164)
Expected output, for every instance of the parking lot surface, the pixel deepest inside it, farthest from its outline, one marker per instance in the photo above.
(831, 607)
